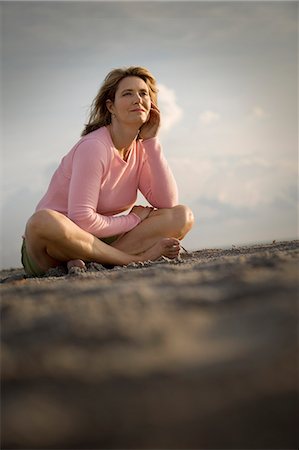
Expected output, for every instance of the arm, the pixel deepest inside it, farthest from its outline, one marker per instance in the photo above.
(89, 162)
(157, 182)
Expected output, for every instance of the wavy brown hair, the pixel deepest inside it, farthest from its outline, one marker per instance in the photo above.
(99, 114)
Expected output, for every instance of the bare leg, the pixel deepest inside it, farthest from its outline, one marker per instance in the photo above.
(51, 238)
(169, 222)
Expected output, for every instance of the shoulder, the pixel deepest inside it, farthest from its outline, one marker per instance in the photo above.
(94, 144)
(99, 137)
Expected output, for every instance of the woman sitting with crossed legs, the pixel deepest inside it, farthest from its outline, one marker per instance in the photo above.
(80, 216)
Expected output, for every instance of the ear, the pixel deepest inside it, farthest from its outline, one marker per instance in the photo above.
(109, 105)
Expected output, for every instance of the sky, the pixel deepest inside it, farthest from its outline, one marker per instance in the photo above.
(228, 92)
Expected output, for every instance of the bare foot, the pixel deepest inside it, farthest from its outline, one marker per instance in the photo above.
(169, 247)
(76, 263)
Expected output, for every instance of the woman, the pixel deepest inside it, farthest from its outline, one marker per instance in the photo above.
(79, 218)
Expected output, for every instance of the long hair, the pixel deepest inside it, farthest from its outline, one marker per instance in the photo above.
(99, 114)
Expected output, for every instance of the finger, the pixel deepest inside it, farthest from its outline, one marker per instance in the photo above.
(155, 107)
(155, 112)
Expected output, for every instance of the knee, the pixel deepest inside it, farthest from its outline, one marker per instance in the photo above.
(40, 219)
(42, 222)
(183, 219)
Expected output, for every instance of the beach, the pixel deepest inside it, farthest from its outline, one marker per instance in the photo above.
(195, 353)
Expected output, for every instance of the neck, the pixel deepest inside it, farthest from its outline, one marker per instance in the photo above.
(123, 137)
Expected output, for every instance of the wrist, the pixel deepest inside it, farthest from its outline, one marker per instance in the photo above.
(152, 139)
(148, 136)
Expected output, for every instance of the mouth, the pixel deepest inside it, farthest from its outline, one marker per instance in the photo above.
(138, 110)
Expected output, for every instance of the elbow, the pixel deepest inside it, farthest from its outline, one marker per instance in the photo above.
(173, 201)
(165, 201)
(165, 204)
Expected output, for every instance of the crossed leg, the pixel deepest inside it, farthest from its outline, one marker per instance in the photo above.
(167, 222)
(51, 238)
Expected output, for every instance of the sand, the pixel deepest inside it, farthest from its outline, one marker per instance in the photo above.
(199, 353)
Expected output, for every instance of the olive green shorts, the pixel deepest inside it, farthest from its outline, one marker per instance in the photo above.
(110, 239)
(30, 266)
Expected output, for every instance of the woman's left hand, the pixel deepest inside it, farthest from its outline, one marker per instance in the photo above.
(151, 127)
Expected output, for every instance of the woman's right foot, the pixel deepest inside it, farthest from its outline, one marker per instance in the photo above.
(169, 247)
(76, 263)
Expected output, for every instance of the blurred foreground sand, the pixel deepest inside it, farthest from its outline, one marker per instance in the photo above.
(197, 354)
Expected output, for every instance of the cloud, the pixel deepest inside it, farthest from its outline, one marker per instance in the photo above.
(170, 110)
(237, 200)
(238, 183)
(208, 117)
(258, 112)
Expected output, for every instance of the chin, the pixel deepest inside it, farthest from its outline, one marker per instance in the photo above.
(139, 123)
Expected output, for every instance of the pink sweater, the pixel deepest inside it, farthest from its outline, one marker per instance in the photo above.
(93, 183)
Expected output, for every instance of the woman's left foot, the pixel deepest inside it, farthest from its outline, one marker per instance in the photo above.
(169, 247)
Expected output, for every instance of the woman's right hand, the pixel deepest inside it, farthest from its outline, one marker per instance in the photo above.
(142, 211)
(151, 127)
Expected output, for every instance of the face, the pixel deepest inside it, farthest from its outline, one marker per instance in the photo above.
(132, 101)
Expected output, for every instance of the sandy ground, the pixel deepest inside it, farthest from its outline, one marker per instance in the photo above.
(199, 353)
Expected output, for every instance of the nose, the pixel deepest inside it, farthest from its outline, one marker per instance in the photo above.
(137, 98)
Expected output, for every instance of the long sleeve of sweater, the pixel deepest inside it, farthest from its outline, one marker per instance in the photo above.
(89, 162)
(157, 182)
